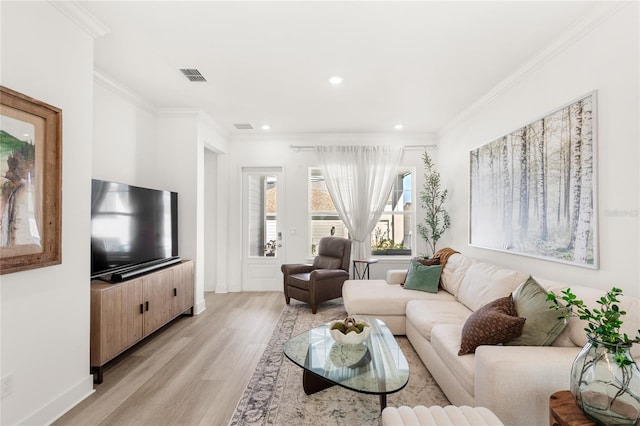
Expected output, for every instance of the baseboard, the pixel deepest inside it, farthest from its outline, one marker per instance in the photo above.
(59, 406)
(200, 307)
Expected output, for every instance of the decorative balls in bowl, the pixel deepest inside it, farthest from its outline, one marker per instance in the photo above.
(349, 331)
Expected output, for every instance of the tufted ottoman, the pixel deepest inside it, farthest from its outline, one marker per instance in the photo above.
(439, 416)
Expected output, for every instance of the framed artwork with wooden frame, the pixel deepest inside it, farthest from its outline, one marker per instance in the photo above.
(30, 182)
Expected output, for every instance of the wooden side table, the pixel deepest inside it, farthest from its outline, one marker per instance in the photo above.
(359, 275)
(563, 411)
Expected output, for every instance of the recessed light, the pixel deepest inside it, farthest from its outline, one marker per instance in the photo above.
(398, 127)
(265, 127)
(336, 79)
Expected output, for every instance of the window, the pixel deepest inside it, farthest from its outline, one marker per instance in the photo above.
(394, 233)
(324, 217)
(262, 221)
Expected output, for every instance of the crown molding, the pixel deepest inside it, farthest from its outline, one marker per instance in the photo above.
(81, 17)
(123, 91)
(195, 113)
(603, 12)
(338, 138)
(183, 112)
(211, 122)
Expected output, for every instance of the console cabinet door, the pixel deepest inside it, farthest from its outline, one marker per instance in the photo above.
(116, 319)
(134, 312)
(182, 288)
(157, 289)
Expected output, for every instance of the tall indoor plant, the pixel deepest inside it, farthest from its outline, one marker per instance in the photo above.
(432, 198)
(605, 379)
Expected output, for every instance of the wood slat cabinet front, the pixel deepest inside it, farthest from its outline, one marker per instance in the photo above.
(124, 313)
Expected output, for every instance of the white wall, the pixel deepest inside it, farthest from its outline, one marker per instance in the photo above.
(125, 132)
(183, 136)
(45, 312)
(274, 151)
(606, 59)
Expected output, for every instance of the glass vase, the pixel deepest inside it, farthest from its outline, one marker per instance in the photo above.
(605, 381)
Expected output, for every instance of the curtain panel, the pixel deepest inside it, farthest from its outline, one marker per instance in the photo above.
(359, 181)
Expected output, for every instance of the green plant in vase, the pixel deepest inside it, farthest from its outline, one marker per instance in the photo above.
(605, 380)
(432, 199)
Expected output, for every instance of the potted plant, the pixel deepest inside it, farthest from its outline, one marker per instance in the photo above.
(432, 198)
(383, 245)
(605, 379)
(270, 248)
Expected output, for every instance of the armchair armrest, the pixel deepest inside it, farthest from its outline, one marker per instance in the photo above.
(515, 382)
(296, 268)
(325, 274)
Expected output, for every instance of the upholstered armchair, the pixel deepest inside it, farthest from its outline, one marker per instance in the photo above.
(323, 280)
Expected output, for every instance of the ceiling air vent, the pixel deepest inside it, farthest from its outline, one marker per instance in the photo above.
(192, 74)
(243, 126)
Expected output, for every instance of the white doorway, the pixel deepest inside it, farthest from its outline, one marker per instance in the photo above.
(263, 242)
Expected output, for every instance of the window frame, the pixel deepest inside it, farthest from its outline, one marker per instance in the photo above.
(402, 170)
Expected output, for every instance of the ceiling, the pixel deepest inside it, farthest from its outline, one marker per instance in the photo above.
(418, 63)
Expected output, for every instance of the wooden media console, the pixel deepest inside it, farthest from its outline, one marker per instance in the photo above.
(124, 313)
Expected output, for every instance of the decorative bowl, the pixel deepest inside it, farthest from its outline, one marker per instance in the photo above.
(351, 338)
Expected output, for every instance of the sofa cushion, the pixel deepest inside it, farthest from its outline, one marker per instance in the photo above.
(494, 323)
(445, 339)
(543, 325)
(426, 314)
(376, 297)
(454, 271)
(422, 277)
(485, 282)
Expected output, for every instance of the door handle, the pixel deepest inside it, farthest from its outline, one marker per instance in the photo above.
(147, 305)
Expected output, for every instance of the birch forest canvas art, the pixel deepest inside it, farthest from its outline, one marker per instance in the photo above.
(533, 190)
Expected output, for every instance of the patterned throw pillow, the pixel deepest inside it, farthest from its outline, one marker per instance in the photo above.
(494, 323)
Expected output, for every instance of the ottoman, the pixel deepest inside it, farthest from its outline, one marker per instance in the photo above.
(439, 416)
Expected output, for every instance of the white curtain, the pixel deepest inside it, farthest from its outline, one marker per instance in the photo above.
(359, 180)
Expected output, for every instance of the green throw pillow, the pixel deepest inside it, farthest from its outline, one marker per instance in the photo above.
(542, 325)
(423, 278)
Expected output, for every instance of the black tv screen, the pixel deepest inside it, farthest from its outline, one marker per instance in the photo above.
(131, 226)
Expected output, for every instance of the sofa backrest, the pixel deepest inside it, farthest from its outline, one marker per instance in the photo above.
(484, 283)
(454, 271)
(476, 283)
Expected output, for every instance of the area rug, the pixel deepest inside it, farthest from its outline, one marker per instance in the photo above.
(274, 395)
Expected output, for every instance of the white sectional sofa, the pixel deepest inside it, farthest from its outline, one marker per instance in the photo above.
(514, 382)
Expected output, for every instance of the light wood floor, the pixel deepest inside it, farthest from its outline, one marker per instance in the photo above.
(191, 372)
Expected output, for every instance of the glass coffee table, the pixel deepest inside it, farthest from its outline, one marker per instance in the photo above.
(377, 366)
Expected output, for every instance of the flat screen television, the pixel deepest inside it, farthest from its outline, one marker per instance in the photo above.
(132, 228)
